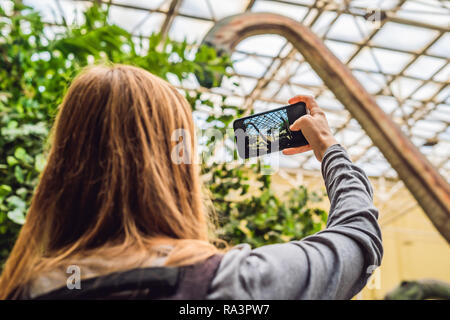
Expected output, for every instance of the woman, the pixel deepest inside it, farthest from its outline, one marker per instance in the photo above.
(112, 201)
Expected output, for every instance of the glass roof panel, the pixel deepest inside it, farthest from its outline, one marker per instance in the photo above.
(250, 66)
(410, 86)
(426, 92)
(128, 18)
(444, 74)
(403, 87)
(444, 96)
(269, 45)
(288, 10)
(307, 77)
(429, 11)
(380, 60)
(196, 7)
(191, 30)
(391, 61)
(381, 4)
(149, 24)
(341, 50)
(153, 4)
(227, 8)
(345, 28)
(403, 37)
(322, 24)
(47, 9)
(442, 46)
(425, 67)
(372, 82)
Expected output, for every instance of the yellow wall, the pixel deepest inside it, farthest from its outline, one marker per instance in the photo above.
(413, 249)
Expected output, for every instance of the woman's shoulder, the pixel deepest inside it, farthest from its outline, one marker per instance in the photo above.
(273, 271)
(240, 268)
(145, 282)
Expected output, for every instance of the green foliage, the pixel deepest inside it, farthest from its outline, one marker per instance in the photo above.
(260, 217)
(36, 67)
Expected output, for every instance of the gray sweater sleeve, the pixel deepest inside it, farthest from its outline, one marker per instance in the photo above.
(334, 263)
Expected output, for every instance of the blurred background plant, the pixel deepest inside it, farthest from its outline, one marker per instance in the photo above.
(36, 68)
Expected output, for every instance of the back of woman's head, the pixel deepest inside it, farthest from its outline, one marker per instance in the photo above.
(110, 181)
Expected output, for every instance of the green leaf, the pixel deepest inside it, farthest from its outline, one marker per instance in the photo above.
(17, 216)
(40, 162)
(18, 173)
(4, 191)
(11, 161)
(20, 154)
(16, 202)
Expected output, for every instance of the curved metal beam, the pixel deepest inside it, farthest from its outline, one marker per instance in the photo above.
(429, 188)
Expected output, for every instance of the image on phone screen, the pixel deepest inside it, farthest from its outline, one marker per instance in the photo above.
(267, 132)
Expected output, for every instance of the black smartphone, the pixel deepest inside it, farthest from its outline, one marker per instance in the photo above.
(269, 131)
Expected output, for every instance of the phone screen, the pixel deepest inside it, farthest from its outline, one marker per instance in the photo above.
(267, 132)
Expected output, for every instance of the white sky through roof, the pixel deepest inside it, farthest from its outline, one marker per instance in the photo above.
(404, 63)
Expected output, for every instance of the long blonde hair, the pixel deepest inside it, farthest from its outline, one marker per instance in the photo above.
(110, 187)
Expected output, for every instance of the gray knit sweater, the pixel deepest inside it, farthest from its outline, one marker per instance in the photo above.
(332, 264)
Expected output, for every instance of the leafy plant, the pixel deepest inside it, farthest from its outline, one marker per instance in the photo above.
(260, 216)
(36, 67)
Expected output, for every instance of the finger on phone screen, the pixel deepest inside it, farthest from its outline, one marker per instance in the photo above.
(291, 151)
(309, 101)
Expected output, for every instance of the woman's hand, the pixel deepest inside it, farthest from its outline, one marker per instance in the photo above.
(314, 127)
